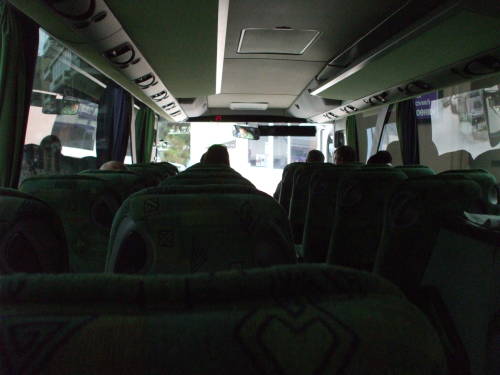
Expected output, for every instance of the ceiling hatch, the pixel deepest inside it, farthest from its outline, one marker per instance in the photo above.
(280, 40)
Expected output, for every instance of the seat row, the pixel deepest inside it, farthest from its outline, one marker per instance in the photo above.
(189, 223)
(435, 236)
(212, 219)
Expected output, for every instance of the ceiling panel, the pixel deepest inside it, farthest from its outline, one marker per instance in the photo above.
(341, 22)
(257, 76)
(177, 37)
(275, 101)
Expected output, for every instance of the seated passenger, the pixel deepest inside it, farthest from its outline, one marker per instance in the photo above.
(381, 157)
(344, 155)
(113, 165)
(50, 155)
(313, 156)
(216, 154)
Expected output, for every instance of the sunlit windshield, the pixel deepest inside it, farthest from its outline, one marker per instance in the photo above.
(261, 161)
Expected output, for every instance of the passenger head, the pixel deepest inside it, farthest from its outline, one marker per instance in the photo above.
(344, 154)
(49, 154)
(51, 143)
(381, 157)
(216, 154)
(315, 156)
(202, 159)
(113, 165)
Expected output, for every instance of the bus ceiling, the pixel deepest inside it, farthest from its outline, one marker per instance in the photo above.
(191, 59)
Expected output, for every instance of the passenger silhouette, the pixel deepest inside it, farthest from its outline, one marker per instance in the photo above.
(344, 155)
(315, 156)
(381, 157)
(50, 154)
(216, 154)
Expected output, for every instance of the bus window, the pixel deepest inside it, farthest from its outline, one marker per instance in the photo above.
(260, 161)
(61, 129)
(459, 128)
(389, 140)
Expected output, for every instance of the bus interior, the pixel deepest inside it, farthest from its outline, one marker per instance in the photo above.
(129, 244)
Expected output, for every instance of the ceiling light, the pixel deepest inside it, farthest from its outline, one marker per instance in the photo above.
(249, 106)
(221, 43)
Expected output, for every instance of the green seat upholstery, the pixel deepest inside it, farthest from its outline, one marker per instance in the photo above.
(86, 206)
(417, 170)
(181, 229)
(124, 183)
(300, 197)
(489, 201)
(320, 211)
(207, 175)
(31, 235)
(287, 185)
(447, 261)
(154, 171)
(302, 319)
(361, 200)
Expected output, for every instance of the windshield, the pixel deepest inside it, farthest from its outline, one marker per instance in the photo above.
(261, 161)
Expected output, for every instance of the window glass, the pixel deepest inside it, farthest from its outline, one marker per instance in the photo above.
(389, 140)
(261, 161)
(61, 130)
(459, 127)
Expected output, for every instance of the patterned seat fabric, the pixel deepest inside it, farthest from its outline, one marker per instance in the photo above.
(412, 171)
(320, 211)
(361, 200)
(124, 183)
(445, 262)
(287, 185)
(489, 200)
(86, 206)
(300, 197)
(156, 172)
(182, 229)
(306, 319)
(207, 175)
(31, 235)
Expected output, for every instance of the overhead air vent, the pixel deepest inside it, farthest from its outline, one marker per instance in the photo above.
(94, 20)
(248, 106)
(280, 40)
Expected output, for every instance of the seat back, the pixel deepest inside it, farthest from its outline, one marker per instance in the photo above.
(287, 185)
(207, 175)
(86, 206)
(154, 171)
(359, 212)
(417, 170)
(320, 211)
(300, 196)
(430, 244)
(489, 200)
(285, 320)
(31, 235)
(124, 183)
(182, 229)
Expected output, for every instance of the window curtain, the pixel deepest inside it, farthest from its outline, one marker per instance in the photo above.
(144, 134)
(408, 132)
(113, 124)
(18, 54)
(352, 134)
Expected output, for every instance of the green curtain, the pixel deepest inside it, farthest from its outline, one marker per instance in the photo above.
(144, 134)
(352, 134)
(18, 53)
